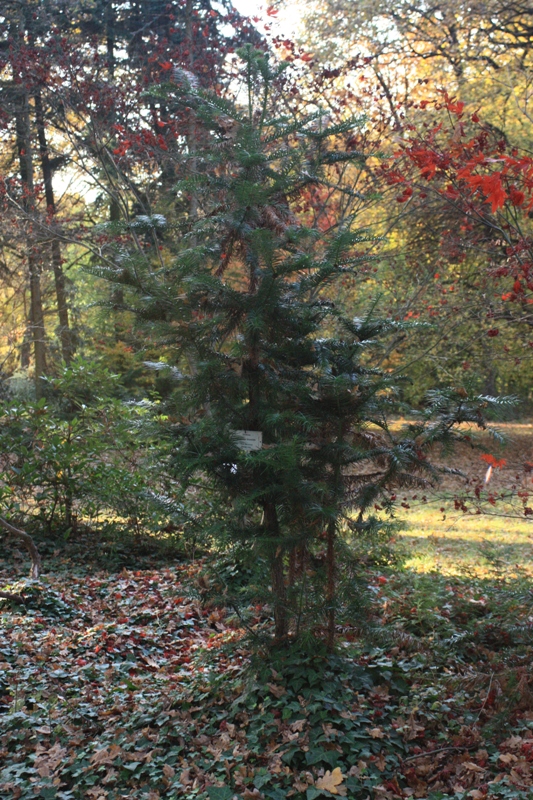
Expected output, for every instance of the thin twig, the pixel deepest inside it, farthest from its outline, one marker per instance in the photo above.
(485, 700)
(29, 544)
(440, 750)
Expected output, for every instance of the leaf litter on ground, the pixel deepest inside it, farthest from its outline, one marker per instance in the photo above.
(122, 684)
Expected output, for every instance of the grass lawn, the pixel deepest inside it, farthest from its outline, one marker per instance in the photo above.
(466, 545)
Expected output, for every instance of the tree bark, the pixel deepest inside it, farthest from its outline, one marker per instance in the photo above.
(25, 348)
(330, 586)
(65, 334)
(35, 570)
(277, 574)
(22, 124)
(191, 135)
(115, 212)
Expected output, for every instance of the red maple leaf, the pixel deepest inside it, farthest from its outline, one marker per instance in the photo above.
(492, 461)
(491, 186)
(516, 196)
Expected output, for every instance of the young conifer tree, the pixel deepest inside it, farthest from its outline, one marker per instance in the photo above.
(276, 407)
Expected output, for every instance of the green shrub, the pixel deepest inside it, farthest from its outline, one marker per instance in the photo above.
(74, 457)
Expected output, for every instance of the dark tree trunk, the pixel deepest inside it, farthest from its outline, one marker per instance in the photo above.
(191, 135)
(330, 586)
(25, 348)
(22, 124)
(277, 574)
(65, 334)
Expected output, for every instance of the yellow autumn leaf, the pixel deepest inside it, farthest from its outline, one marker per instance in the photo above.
(330, 781)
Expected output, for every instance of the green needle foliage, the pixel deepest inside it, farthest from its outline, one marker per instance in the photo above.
(257, 342)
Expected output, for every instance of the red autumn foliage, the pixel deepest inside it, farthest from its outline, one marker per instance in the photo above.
(492, 461)
(477, 175)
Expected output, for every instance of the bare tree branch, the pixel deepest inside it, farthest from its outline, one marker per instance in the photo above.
(35, 570)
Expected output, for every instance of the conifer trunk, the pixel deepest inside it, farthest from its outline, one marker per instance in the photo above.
(191, 135)
(330, 586)
(292, 567)
(331, 536)
(277, 575)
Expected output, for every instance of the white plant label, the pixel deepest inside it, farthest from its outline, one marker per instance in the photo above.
(249, 440)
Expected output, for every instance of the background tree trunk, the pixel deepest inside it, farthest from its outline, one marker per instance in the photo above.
(22, 123)
(65, 334)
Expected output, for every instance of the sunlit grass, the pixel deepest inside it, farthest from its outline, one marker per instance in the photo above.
(484, 545)
(457, 544)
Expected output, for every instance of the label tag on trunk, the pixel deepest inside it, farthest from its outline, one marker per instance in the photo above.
(249, 440)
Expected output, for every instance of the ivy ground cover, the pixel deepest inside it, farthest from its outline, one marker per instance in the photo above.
(121, 684)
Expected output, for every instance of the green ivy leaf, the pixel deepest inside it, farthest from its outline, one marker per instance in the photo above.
(219, 793)
(261, 778)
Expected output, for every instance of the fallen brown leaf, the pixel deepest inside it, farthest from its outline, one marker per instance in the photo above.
(331, 781)
(277, 691)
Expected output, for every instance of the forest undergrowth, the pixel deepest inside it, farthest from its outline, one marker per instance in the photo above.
(119, 679)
